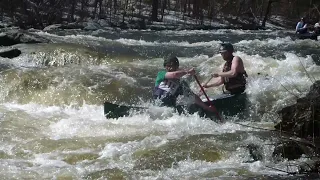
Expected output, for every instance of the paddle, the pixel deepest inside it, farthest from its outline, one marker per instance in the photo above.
(205, 83)
(205, 94)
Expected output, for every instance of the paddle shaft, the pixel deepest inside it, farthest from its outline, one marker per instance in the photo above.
(205, 94)
(206, 83)
(209, 80)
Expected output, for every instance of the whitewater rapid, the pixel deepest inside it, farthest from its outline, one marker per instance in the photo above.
(51, 110)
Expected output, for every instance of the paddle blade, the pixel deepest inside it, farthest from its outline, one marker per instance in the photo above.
(115, 111)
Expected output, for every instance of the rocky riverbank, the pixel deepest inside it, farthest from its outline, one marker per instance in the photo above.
(17, 36)
(300, 128)
(11, 35)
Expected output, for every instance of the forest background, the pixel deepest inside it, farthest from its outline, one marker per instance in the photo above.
(245, 14)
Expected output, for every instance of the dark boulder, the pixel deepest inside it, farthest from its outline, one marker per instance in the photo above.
(255, 152)
(302, 122)
(290, 150)
(20, 36)
(10, 54)
(303, 118)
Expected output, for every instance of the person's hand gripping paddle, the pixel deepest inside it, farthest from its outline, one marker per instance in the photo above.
(210, 103)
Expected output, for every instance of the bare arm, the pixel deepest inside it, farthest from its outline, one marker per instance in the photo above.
(297, 27)
(217, 82)
(179, 74)
(305, 26)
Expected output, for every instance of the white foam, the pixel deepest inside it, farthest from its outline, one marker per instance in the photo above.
(158, 126)
(133, 42)
(125, 150)
(44, 160)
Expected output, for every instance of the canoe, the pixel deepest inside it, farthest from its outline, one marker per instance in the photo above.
(226, 105)
(306, 36)
(231, 105)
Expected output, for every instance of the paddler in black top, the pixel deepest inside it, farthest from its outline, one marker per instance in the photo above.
(233, 76)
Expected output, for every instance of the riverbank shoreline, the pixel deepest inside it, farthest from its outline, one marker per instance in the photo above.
(170, 23)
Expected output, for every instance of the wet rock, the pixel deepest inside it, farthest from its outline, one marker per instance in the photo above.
(5, 22)
(10, 54)
(255, 152)
(4, 67)
(74, 25)
(20, 36)
(123, 25)
(103, 23)
(290, 150)
(52, 27)
(91, 25)
(137, 24)
(316, 59)
(302, 118)
(6, 41)
(314, 91)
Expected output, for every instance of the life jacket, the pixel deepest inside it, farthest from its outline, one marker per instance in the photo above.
(235, 84)
(168, 91)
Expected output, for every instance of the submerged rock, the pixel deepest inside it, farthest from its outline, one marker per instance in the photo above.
(10, 54)
(73, 25)
(255, 152)
(91, 25)
(289, 150)
(170, 154)
(52, 27)
(20, 36)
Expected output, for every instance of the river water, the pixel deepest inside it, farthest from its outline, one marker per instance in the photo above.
(51, 106)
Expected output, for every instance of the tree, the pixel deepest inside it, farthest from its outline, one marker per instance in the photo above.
(72, 10)
(164, 6)
(154, 16)
(267, 13)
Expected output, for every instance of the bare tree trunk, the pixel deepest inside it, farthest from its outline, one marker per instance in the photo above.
(110, 10)
(195, 9)
(125, 11)
(201, 15)
(261, 10)
(132, 9)
(189, 7)
(310, 7)
(240, 8)
(100, 9)
(184, 6)
(115, 6)
(267, 13)
(2, 9)
(72, 10)
(154, 16)
(94, 12)
(83, 3)
(164, 6)
(140, 7)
